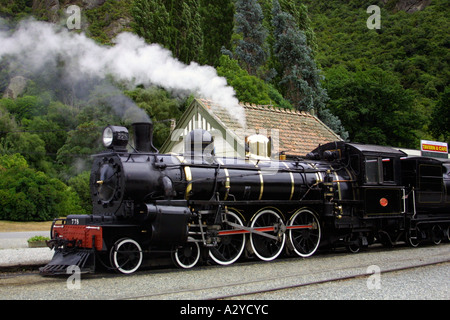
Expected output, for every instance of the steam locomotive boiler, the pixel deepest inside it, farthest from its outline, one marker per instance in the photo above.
(198, 206)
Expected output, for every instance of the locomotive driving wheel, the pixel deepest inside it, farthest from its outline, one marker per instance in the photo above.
(126, 256)
(187, 255)
(437, 234)
(231, 241)
(268, 240)
(304, 232)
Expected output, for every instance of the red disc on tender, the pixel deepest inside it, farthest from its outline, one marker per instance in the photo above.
(383, 202)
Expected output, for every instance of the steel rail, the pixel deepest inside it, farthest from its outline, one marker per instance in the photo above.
(341, 278)
(244, 294)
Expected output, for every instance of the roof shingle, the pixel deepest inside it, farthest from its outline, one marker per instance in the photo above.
(299, 132)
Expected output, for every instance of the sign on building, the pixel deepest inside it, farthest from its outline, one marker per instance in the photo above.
(434, 149)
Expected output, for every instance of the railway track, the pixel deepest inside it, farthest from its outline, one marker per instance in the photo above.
(365, 275)
(240, 290)
(239, 281)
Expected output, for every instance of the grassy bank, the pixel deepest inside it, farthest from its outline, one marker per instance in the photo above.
(12, 226)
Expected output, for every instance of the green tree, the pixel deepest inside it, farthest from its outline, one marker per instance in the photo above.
(412, 46)
(250, 49)
(30, 195)
(63, 115)
(25, 107)
(249, 88)
(300, 82)
(174, 24)
(151, 21)
(30, 145)
(161, 107)
(373, 106)
(7, 122)
(189, 36)
(48, 131)
(217, 27)
(299, 13)
(80, 184)
(18, 8)
(104, 20)
(440, 124)
(81, 143)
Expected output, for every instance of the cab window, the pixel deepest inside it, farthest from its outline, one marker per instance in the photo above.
(379, 170)
(371, 170)
(388, 169)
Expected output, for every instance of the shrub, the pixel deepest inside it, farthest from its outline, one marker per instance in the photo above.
(30, 195)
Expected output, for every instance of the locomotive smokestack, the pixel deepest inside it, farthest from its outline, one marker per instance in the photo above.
(143, 137)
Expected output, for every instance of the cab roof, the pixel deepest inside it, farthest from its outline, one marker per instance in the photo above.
(374, 149)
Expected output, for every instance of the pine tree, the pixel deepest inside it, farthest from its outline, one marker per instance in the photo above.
(441, 117)
(186, 39)
(299, 74)
(300, 80)
(174, 24)
(300, 15)
(250, 50)
(217, 27)
(151, 21)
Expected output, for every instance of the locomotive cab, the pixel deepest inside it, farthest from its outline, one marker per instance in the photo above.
(380, 179)
(376, 207)
(377, 173)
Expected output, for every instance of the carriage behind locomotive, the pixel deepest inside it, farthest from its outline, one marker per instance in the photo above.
(199, 206)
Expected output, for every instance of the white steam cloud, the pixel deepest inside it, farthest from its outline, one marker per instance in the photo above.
(36, 45)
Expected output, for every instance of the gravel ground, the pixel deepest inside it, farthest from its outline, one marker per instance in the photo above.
(216, 281)
(424, 283)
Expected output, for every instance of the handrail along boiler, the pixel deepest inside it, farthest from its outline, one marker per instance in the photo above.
(197, 206)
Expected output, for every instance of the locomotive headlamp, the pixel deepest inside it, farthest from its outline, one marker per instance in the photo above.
(107, 137)
(115, 137)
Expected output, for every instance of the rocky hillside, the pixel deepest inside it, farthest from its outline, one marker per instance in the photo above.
(100, 19)
(406, 5)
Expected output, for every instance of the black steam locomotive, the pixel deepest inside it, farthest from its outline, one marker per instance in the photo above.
(199, 206)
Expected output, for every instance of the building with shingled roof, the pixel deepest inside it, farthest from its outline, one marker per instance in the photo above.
(291, 132)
